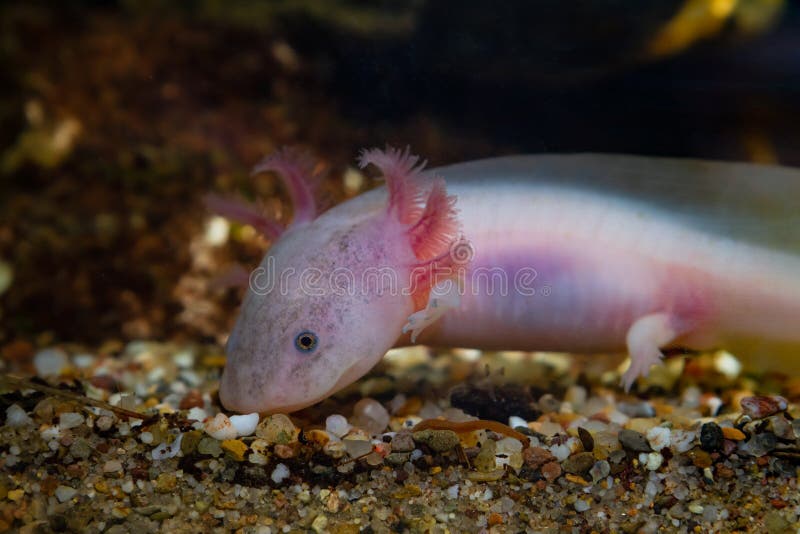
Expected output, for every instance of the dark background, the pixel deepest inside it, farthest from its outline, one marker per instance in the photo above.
(116, 117)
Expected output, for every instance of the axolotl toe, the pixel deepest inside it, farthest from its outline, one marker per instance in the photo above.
(578, 253)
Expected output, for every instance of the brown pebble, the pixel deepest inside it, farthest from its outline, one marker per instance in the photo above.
(733, 434)
(579, 464)
(700, 458)
(536, 456)
(551, 471)
(105, 382)
(586, 439)
(19, 351)
(284, 451)
(778, 503)
(193, 399)
(494, 519)
(761, 406)
(723, 471)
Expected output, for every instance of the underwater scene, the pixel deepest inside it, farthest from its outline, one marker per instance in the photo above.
(423, 266)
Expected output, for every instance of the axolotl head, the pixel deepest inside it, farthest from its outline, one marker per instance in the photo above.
(328, 299)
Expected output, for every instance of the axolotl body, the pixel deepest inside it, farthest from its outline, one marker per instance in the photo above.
(579, 253)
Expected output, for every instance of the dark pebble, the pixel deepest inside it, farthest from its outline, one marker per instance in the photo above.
(586, 439)
(634, 441)
(578, 464)
(402, 442)
(766, 441)
(637, 409)
(711, 437)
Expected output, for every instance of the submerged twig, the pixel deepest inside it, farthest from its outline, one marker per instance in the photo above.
(19, 382)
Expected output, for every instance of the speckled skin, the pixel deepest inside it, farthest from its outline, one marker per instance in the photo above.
(611, 272)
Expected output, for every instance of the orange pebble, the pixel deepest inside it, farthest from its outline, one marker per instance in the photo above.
(495, 519)
(733, 434)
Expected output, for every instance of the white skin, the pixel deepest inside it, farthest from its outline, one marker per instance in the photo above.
(303, 339)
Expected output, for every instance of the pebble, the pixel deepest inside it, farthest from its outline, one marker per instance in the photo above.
(80, 448)
(733, 434)
(65, 493)
(356, 448)
(277, 428)
(279, 474)
(17, 417)
(245, 425)
(759, 407)
(599, 471)
(605, 443)
(112, 466)
(682, 440)
(536, 457)
(234, 448)
(658, 437)
(168, 450)
(437, 440)
(70, 420)
(633, 440)
(653, 461)
(220, 427)
(320, 524)
(581, 505)
(104, 422)
(486, 460)
(637, 409)
(517, 422)
(579, 464)
(50, 362)
(711, 437)
(551, 471)
(402, 442)
(586, 439)
(209, 446)
(337, 425)
(370, 415)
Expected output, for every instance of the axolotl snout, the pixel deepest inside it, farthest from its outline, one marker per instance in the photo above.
(578, 253)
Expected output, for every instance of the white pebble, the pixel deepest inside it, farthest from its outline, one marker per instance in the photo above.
(146, 437)
(416, 454)
(165, 450)
(337, 425)
(65, 493)
(654, 461)
(659, 437)
(184, 359)
(280, 473)
(198, 414)
(245, 425)
(581, 505)
(221, 428)
(452, 492)
(83, 361)
(70, 420)
(370, 415)
(356, 447)
(16, 416)
(682, 440)
(50, 362)
(515, 421)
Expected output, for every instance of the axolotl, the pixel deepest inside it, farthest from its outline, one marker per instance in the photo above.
(581, 253)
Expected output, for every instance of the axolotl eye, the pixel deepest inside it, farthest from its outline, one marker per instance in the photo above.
(306, 341)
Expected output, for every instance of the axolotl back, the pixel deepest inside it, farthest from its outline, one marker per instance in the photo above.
(579, 253)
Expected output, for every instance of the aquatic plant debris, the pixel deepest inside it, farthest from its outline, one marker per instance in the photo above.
(592, 458)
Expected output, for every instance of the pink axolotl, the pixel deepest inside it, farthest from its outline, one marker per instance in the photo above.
(578, 253)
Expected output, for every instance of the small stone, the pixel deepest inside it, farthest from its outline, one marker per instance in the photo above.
(579, 464)
(517, 422)
(234, 448)
(279, 474)
(402, 442)
(112, 466)
(695, 508)
(682, 440)
(586, 439)
(209, 446)
(700, 458)
(337, 425)
(370, 415)
(653, 461)
(220, 427)
(15, 494)
(65, 493)
(17, 417)
(320, 524)
(192, 399)
(486, 460)
(599, 471)
(70, 420)
(759, 407)
(581, 505)
(776, 523)
(733, 434)
(104, 423)
(80, 448)
(637, 409)
(605, 443)
(284, 452)
(166, 483)
(633, 440)
(551, 471)
(190, 441)
(535, 457)
(50, 362)
(245, 425)
(397, 458)
(277, 428)
(357, 448)
(711, 437)
(438, 440)
(659, 437)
